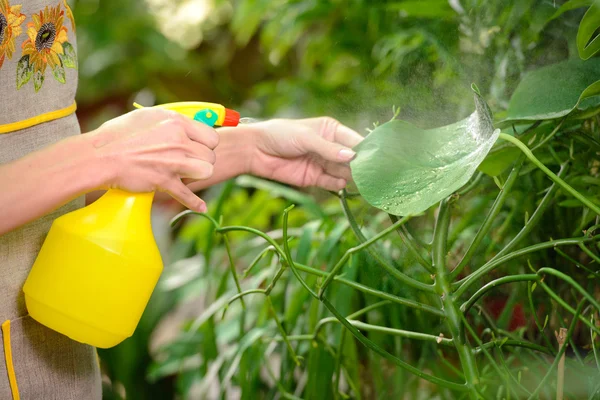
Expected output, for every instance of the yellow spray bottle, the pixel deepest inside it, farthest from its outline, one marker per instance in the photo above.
(99, 265)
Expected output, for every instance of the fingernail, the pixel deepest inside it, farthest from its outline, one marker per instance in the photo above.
(346, 155)
(202, 208)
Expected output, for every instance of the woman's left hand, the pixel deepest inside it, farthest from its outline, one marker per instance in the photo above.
(304, 152)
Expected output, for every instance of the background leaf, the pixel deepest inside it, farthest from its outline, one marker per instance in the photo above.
(555, 91)
(588, 37)
(404, 170)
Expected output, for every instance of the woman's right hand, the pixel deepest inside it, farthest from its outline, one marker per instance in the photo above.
(154, 149)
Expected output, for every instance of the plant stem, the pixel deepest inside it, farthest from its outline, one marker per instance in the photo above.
(512, 343)
(374, 292)
(288, 255)
(402, 364)
(497, 282)
(535, 217)
(453, 314)
(561, 338)
(384, 264)
(490, 265)
(410, 245)
(282, 331)
(490, 218)
(364, 245)
(560, 352)
(232, 268)
(550, 174)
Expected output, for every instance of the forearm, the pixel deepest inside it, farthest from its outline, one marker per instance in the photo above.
(233, 155)
(43, 181)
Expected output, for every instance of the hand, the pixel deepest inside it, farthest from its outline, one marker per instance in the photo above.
(306, 152)
(154, 149)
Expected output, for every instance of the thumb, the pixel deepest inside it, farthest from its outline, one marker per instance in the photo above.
(183, 194)
(329, 151)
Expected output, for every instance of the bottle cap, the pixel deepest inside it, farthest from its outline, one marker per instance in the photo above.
(232, 118)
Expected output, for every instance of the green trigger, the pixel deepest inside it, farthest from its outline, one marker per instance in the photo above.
(207, 116)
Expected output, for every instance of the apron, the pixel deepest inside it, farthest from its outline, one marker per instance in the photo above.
(38, 82)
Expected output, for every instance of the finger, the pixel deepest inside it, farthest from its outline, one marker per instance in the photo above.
(330, 151)
(194, 168)
(200, 151)
(185, 196)
(332, 128)
(332, 183)
(338, 170)
(197, 131)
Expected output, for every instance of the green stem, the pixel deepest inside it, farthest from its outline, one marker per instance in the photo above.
(363, 246)
(512, 343)
(560, 352)
(282, 332)
(490, 265)
(232, 268)
(550, 174)
(377, 293)
(288, 255)
(535, 316)
(397, 361)
(490, 218)
(256, 260)
(384, 264)
(589, 252)
(497, 282)
(535, 217)
(593, 339)
(453, 314)
(410, 245)
(356, 314)
(567, 307)
(571, 281)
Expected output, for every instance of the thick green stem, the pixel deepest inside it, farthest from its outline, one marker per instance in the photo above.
(453, 314)
(551, 174)
(490, 218)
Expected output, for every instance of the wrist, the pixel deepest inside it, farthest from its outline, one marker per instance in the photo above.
(98, 172)
(243, 144)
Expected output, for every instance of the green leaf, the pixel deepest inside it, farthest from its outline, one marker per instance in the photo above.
(59, 74)
(404, 170)
(555, 91)
(69, 56)
(570, 5)
(499, 161)
(24, 71)
(38, 80)
(588, 37)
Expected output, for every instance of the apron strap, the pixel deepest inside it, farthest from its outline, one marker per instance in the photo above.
(12, 378)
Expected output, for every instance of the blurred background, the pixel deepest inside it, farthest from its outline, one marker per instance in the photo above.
(353, 60)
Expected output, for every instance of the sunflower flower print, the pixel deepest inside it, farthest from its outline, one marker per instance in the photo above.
(10, 28)
(47, 46)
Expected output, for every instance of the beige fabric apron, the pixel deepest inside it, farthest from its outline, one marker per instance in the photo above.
(38, 81)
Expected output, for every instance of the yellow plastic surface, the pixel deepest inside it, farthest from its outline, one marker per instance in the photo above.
(190, 108)
(99, 265)
(96, 270)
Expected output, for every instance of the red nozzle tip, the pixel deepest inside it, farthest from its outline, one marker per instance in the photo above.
(232, 118)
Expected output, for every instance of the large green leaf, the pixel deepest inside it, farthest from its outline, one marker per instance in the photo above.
(555, 91)
(404, 170)
(588, 37)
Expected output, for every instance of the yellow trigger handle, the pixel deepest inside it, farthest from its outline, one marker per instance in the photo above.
(212, 114)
